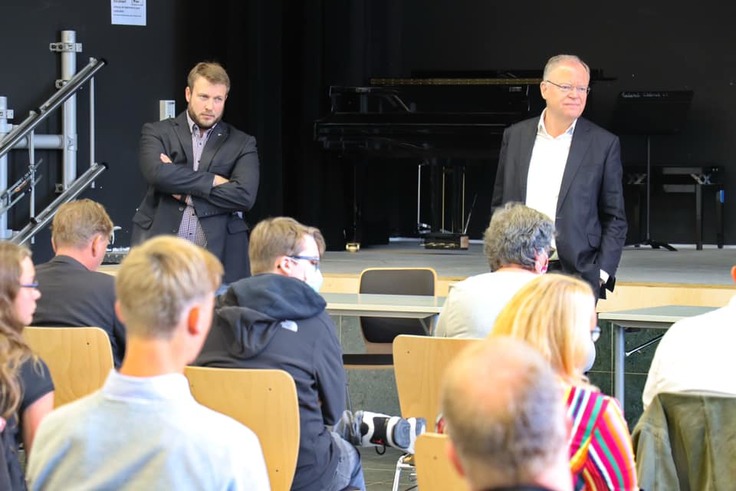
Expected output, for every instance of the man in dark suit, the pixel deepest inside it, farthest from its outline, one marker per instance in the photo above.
(73, 292)
(202, 175)
(570, 169)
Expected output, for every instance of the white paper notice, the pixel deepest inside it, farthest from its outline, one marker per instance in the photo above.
(128, 12)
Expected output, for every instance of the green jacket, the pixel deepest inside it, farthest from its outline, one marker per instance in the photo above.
(687, 442)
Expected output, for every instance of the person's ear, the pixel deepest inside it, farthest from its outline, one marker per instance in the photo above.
(187, 93)
(118, 311)
(194, 320)
(733, 273)
(97, 247)
(451, 452)
(541, 263)
(284, 266)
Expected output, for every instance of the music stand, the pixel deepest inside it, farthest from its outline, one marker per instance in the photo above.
(651, 113)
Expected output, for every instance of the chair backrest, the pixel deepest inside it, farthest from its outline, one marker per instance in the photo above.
(263, 400)
(434, 469)
(686, 441)
(79, 358)
(419, 363)
(379, 331)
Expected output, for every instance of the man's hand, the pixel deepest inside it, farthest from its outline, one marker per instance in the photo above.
(166, 160)
(219, 180)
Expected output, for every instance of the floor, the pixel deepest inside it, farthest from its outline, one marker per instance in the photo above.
(379, 470)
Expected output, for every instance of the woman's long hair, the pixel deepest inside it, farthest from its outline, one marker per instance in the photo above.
(553, 314)
(13, 348)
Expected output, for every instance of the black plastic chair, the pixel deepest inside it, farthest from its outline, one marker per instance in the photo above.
(379, 332)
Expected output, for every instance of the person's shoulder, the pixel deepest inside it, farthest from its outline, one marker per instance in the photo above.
(593, 128)
(223, 429)
(234, 132)
(525, 123)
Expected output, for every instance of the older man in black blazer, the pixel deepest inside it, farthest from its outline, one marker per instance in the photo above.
(569, 168)
(202, 175)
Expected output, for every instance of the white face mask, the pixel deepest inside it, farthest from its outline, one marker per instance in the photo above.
(314, 278)
(590, 357)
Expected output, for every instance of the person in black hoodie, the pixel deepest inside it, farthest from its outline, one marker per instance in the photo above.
(277, 319)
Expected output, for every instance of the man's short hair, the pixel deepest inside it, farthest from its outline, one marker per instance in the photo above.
(280, 236)
(159, 279)
(78, 222)
(212, 71)
(504, 413)
(556, 60)
(516, 235)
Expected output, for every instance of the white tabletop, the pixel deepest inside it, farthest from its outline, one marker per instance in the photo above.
(663, 314)
(374, 305)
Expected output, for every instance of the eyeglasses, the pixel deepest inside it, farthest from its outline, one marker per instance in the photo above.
(566, 88)
(29, 285)
(595, 333)
(313, 260)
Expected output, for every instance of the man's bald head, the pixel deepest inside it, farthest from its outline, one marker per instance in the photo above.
(505, 413)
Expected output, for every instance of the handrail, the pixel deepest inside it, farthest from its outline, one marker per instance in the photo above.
(36, 116)
(75, 189)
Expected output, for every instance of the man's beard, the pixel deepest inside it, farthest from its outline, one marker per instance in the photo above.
(201, 123)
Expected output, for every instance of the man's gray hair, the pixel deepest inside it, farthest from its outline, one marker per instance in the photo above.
(516, 235)
(556, 60)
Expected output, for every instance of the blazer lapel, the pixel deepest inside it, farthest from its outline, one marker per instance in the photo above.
(185, 136)
(578, 148)
(217, 138)
(528, 139)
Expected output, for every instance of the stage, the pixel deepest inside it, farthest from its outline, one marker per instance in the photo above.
(646, 276)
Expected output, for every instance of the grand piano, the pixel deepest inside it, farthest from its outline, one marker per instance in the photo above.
(440, 122)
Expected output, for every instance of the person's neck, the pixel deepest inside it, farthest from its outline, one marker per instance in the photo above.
(554, 126)
(151, 357)
(513, 267)
(79, 255)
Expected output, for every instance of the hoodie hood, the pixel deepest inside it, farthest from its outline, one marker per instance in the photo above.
(253, 309)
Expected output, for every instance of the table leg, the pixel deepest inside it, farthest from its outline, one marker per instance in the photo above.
(619, 355)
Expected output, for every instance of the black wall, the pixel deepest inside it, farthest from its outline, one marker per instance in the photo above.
(283, 56)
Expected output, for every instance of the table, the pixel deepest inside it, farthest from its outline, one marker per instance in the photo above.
(661, 317)
(376, 305)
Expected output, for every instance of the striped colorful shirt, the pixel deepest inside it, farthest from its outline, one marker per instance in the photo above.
(601, 455)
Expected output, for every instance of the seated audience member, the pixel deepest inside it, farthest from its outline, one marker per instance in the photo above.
(517, 245)
(555, 314)
(696, 355)
(73, 292)
(27, 393)
(506, 419)
(277, 319)
(143, 429)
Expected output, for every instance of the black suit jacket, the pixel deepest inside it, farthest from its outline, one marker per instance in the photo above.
(74, 296)
(591, 219)
(229, 153)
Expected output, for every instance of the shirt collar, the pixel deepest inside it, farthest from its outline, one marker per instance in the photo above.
(543, 130)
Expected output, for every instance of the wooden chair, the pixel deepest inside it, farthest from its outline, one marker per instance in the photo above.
(79, 358)
(263, 400)
(435, 472)
(378, 332)
(419, 363)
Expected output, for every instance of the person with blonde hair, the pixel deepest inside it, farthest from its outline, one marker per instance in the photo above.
(143, 429)
(555, 314)
(202, 174)
(26, 389)
(73, 292)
